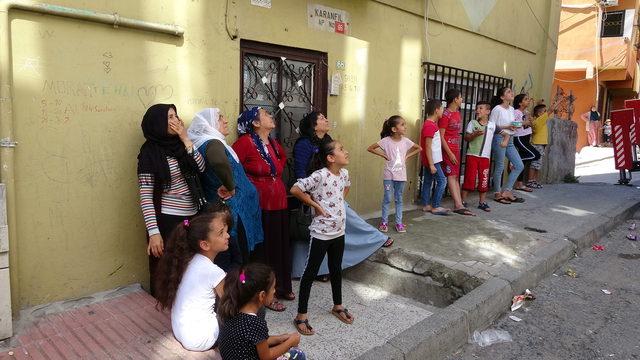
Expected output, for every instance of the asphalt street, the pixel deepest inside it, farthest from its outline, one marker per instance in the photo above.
(572, 317)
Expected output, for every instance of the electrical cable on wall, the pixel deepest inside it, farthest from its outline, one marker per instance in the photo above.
(226, 23)
(540, 24)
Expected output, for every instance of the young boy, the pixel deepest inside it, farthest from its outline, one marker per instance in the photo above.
(431, 158)
(450, 125)
(607, 131)
(479, 135)
(539, 140)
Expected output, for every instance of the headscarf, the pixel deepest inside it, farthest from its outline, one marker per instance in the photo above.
(245, 126)
(204, 127)
(152, 158)
(245, 120)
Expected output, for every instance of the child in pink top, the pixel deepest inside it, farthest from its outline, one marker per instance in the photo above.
(395, 148)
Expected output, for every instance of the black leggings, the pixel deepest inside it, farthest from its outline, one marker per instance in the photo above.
(334, 249)
(527, 152)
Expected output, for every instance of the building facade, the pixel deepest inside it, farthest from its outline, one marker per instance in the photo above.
(597, 60)
(79, 90)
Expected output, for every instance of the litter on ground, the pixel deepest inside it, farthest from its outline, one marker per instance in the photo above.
(518, 300)
(490, 337)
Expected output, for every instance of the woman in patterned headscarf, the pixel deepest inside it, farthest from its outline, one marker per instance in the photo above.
(263, 159)
(168, 178)
(225, 179)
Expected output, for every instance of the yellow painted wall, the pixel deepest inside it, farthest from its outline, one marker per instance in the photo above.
(79, 228)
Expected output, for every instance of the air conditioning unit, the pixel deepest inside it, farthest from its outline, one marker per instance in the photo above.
(609, 2)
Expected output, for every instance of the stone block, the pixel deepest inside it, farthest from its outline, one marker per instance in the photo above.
(435, 337)
(540, 265)
(386, 351)
(4, 238)
(6, 324)
(560, 156)
(485, 303)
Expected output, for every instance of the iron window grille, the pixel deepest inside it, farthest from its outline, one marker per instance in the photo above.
(287, 82)
(612, 24)
(473, 86)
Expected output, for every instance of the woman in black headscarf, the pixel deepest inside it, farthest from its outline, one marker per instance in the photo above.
(168, 170)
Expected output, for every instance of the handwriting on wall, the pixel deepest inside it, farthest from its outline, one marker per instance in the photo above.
(61, 100)
(154, 93)
(107, 57)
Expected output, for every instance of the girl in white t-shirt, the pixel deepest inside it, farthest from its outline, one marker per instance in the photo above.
(188, 281)
(324, 191)
(502, 114)
(395, 148)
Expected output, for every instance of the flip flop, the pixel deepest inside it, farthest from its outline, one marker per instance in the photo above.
(338, 314)
(388, 243)
(502, 200)
(516, 200)
(525, 189)
(276, 306)
(464, 211)
(290, 296)
(297, 324)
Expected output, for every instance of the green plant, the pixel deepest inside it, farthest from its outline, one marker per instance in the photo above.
(571, 179)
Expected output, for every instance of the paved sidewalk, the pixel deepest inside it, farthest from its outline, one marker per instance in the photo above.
(418, 299)
(122, 324)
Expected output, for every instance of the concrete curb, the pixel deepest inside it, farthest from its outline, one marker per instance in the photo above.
(443, 332)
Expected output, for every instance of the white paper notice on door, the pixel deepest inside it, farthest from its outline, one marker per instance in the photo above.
(262, 3)
(324, 18)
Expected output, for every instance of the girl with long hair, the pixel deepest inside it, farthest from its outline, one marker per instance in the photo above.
(187, 280)
(395, 148)
(502, 114)
(168, 178)
(522, 138)
(361, 239)
(245, 334)
(264, 159)
(324, 191)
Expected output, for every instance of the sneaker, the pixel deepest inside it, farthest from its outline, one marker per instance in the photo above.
(400, 228)
(383, 227)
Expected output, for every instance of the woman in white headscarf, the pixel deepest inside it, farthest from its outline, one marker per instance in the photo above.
(224, 179)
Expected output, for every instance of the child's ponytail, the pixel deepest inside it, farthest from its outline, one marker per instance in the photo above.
(387, 126)
(320, 159)
(241, 286)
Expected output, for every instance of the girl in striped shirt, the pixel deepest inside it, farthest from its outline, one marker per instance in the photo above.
(168, 170)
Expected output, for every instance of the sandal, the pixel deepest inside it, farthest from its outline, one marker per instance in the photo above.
(525, 189)
(440, 211)
(347, 318)
(484, 207)
(464, 211)
(309, 329)
(516, 199)
(288, 296)
(276, 306)
(388, 243)
(502, 200)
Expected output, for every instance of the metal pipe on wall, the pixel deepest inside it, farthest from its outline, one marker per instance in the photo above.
(7, 143)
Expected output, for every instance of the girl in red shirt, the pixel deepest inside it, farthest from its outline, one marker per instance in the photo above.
(264, 159)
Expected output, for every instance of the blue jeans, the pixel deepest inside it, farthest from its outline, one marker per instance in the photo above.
(398, 188)
(498, 154)
(427, 181)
